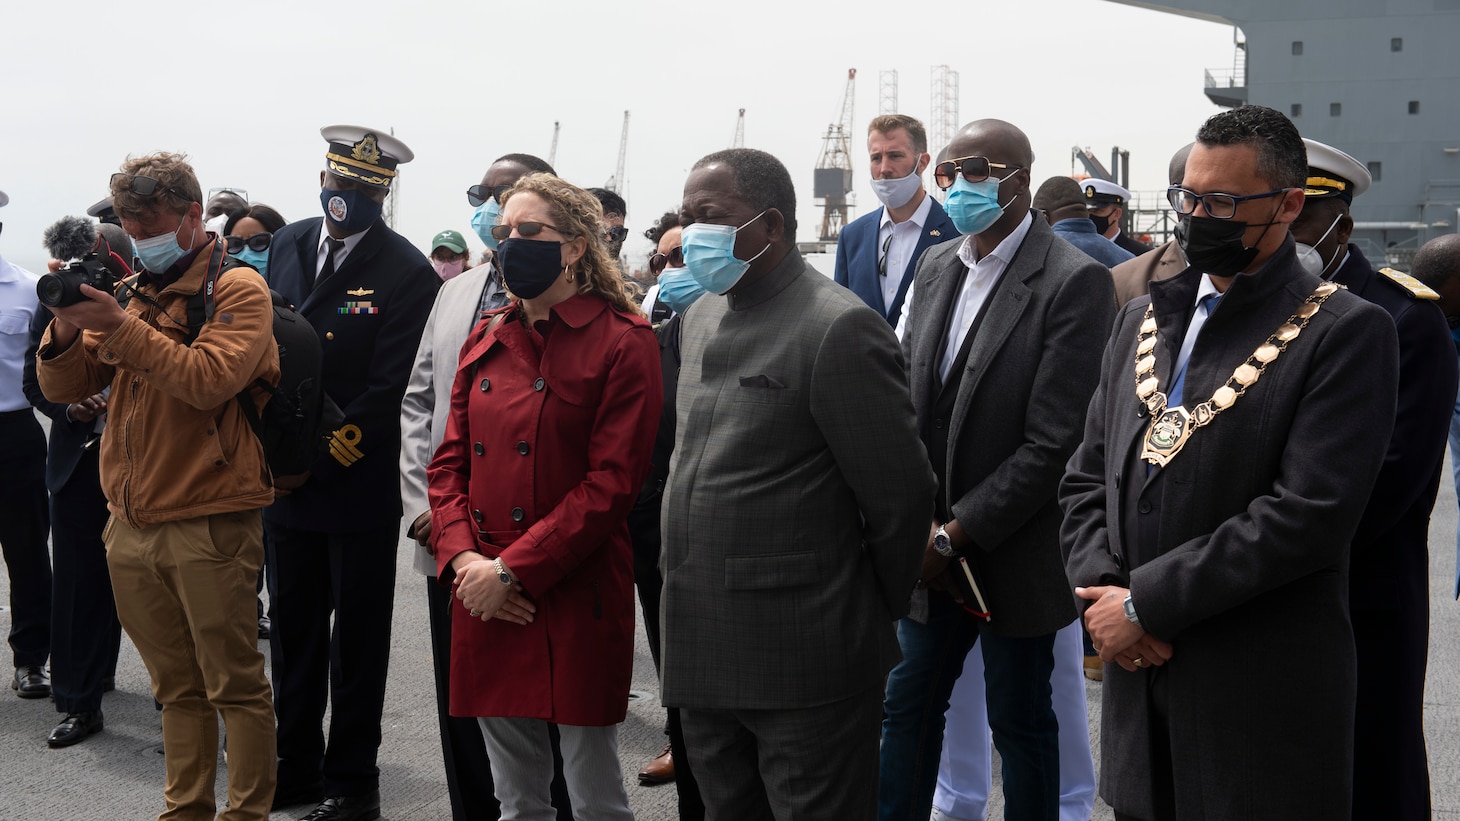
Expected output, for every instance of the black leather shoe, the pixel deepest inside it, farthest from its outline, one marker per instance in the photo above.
(31, 681)
(108, 684)
(264, 627)
(287, 797)
(75, 728)
(347, 808)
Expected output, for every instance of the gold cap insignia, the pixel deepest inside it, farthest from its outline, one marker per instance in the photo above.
(367, 150)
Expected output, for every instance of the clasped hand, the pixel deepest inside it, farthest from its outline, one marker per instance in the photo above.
(484, 595)
(1117, 638)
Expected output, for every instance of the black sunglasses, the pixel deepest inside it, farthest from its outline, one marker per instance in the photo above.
(258, 242)
(673, 259)
(616, 234)
(973, 169)
(524, 229)
(478, 195)
(144, 186)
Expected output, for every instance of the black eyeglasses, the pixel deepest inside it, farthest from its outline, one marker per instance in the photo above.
(144, 186)
(258, 242)
(973, 169)
(1217, 206)
(673, 259)
(524, 229)
(478, 195)
(616, 234)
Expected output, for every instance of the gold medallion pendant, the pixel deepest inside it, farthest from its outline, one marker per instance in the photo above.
(1170, 428)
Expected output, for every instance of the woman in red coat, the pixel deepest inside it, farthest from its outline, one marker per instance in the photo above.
(553, 414)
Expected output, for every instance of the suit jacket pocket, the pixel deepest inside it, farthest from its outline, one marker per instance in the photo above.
(771, 572)
(766, 395)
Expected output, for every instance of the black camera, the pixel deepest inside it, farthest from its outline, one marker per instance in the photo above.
(64, 286)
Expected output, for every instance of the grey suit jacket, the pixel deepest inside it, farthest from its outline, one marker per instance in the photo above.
(1133, 277)
(798, 499)
(428, 393)
(1246, 573)
(1018, 415)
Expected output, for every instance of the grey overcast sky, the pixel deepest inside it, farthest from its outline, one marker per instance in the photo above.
(243, 89)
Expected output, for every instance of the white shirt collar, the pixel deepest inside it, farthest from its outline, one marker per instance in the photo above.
(350, 241)
(1205, 289)
(919, 217)
(1004, 251)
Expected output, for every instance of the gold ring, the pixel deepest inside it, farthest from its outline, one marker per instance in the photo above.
(1138, 661)
(475, 614)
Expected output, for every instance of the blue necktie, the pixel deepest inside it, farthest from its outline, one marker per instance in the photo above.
(1198, 319)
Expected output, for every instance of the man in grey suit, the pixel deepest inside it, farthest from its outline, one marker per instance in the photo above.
(459, 304)
(1003, 333)
(795, 512)
(1228, 455)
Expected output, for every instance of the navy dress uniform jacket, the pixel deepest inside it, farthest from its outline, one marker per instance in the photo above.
(369, 316)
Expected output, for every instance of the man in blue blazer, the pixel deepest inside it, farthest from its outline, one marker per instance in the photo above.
(332, 535)
(877, 252)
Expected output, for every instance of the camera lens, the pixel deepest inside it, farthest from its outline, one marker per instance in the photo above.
(50, 290)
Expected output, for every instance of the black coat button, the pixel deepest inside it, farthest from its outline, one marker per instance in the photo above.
(522, 448)
(517, 514)
(1144, 506)
(539, 384)
(938, 423)
(479, 449)
(478, 516)
(486, 385)
(1119, 562)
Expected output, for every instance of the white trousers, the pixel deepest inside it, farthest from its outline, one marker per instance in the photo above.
(522, 770)
(965, 776)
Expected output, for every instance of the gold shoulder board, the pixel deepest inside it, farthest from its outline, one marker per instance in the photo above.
(1417, 289)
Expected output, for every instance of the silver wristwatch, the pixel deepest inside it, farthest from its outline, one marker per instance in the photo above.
(942, 543)
(502, 574)
(1130, 611)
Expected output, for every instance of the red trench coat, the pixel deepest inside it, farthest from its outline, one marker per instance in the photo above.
(544, 451)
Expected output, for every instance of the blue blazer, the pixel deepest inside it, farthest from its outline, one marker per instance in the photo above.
(857, 253)
(369, 316)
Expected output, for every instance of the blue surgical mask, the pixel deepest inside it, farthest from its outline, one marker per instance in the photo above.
(974, 206)
(257, 260)
(483, 219)
(678, 289)
(709, 255)
(351, 209)
(160, 252)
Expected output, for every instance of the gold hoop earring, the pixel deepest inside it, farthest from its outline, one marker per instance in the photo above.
(567, 273)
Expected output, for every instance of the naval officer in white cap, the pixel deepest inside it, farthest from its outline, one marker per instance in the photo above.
(1107, 203)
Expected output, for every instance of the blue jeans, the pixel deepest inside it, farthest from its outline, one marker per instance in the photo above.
(1016, 678)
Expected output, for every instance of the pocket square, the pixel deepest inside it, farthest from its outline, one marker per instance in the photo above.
(759, 381)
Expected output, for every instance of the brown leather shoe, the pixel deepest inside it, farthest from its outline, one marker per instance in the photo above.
(1094, 668)
(658, 771)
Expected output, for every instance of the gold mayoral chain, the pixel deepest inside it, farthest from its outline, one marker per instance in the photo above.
(1171, 427)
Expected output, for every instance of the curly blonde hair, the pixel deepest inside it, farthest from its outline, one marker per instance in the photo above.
(178, 186)
(576, 213)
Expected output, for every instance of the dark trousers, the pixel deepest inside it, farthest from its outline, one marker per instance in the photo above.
(809, 762)
(24, 529)
(1391, 770)
(1016, 681)
(1163, 778)
(85, 633)
(644, 532)
(313, 576)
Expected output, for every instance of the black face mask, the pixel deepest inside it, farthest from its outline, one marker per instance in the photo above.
(1215, 246)
(529, 266)
(1102, 224)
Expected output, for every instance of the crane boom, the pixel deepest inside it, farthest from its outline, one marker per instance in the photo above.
(553, 152)
(616, 183)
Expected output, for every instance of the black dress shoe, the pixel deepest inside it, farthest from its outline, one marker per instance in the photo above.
(289, 797)
(75, 728)
(264, 627)
(347, 808)
(108, 684)
(31, 681)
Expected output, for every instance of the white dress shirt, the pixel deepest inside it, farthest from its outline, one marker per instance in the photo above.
(982, 276)
(904, 244)
(17, 306)
(322, 248)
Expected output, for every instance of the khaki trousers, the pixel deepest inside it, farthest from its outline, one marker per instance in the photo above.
(185, 595)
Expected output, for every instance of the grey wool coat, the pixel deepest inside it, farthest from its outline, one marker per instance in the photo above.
(1237, 551)
(798, 500)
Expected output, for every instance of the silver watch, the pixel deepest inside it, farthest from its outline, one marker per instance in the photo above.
(942, 543)
(1130, 611)
(502, 574)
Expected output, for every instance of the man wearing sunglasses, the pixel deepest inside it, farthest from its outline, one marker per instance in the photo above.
(184, 477)
(1002, 332)
(458, 306)
(614, 211)
(367, 291)
(876, 253)
(1243, 414)
(486, 198)
(1390, 564)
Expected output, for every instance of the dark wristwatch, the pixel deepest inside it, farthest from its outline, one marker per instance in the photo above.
(942, 543)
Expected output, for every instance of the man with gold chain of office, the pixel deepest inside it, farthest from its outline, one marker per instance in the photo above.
(1241, 419)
